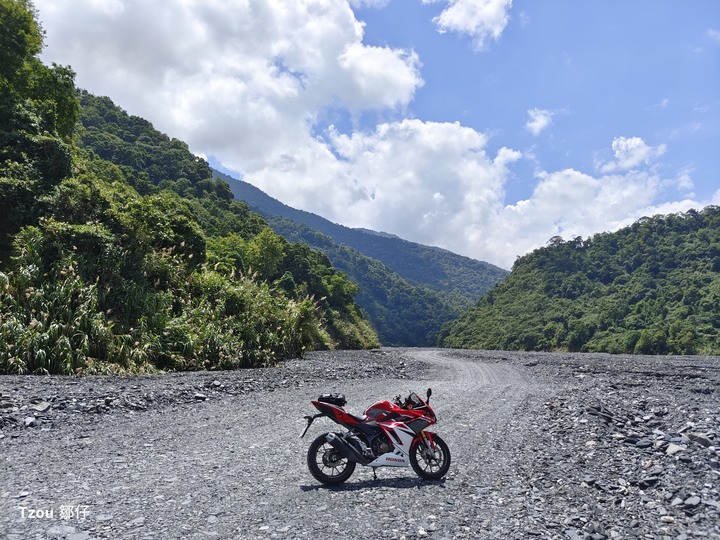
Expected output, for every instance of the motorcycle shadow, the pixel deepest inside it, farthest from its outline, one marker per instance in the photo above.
(397, 483)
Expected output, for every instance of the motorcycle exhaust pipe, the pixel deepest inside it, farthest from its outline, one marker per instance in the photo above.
(344, 449)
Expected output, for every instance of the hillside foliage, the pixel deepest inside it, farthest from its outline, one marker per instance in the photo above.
(409, 291)
(120, 252)
(404, 314)
(651, 288)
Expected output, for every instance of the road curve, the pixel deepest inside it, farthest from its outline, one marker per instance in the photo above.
(235, 467)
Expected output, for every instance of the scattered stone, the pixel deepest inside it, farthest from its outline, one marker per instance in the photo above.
(700, 438)
(644, 443)
(41, 406)
(79, 536)
(673, 449)
(647, 481)
(651, 471)
(137, 522)
(60, 531)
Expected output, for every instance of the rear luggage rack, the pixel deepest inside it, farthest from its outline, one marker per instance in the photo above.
(333, 399)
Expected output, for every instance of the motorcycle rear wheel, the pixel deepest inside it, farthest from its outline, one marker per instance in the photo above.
(430, 465)
(326, 464)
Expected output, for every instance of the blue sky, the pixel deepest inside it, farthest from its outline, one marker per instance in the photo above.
(482, 126)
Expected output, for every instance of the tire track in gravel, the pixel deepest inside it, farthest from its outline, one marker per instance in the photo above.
(235, 467)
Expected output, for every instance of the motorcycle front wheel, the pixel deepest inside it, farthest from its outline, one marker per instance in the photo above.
(430, 464)
(326, 464)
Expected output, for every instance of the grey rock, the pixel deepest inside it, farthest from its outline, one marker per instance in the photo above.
(529, 471)
(79, 536)
(61, 530)
(647, 481)
(700, 438)
(673, 449)
(644, 443)
(41, 406)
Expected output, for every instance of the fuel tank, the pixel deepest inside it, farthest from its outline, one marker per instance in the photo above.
(382, 410)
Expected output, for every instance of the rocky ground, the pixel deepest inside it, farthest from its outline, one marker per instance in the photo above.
(50, 402)
(557, 446)
(627, 447)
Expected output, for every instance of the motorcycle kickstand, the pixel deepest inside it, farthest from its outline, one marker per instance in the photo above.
(374, 473)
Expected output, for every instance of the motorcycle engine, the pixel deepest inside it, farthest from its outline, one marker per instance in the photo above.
(380, 445)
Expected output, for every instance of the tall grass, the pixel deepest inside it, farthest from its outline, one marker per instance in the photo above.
(53, 321)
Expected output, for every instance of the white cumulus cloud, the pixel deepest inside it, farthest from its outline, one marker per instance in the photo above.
(246, 81)
(428, 182)
(538, 120)
(631, 152)
(242, 80)
(483, 20)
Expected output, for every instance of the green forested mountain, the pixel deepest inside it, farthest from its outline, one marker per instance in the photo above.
(402, 313)
(408, 290)
(120, 252)
(435, 268)
(651, 288)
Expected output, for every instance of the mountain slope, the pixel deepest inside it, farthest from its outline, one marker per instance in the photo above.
(651, 288)
(403, 314)
(433, 267)
(408, 290)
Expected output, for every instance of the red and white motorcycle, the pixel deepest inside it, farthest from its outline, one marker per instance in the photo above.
(387, 435)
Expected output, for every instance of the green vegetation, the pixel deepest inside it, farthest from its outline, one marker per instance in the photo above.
(403, 314)
(651, 288)
(119, 251)
(407, 290)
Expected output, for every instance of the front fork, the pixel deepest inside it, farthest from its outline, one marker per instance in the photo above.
(428, 444)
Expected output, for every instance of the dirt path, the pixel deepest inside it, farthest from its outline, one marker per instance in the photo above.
(554, 446)
(223, 469)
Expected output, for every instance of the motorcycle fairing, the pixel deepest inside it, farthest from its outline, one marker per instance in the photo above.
(389, 434)
(391, 459)
(334, 412)
(399, 434)
(337, 414)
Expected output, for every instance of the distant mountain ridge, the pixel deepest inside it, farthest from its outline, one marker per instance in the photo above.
(409, 291)
(436, 268)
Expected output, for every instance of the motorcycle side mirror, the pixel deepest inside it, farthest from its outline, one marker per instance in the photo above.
(429, 393)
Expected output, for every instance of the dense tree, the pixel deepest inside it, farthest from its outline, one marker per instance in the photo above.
(120, 252)
(403, 313)
(38, 112)
(651, 288)
(441, 283)
(20, 41)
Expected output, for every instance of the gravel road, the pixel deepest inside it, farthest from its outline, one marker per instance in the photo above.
(543, 446)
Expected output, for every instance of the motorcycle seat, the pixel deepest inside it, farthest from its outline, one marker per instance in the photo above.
(359, 417)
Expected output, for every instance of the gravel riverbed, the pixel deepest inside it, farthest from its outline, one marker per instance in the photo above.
(544, 445)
